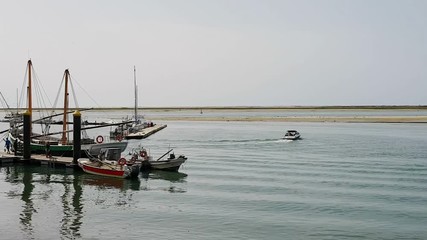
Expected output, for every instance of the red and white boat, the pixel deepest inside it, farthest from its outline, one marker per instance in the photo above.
(110, 163)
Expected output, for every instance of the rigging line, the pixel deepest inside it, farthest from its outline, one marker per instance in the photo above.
(4, 101)
(87, 93)
(47, 126)
(59, 91)
(36, 88)
(71, 80)
(23, 89)
(74, 93)
(45, 94)
(40, 99)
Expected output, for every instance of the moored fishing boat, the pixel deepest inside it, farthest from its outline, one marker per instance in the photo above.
(110, 163)
(171, 163)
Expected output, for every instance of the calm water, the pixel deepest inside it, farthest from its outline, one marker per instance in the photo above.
(342, 181)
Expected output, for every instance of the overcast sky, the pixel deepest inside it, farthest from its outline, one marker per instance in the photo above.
(219, 52)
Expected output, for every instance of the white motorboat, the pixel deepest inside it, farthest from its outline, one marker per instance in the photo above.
(292, 135)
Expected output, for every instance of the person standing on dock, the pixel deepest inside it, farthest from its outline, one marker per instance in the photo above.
(7, 145)
(48, 155)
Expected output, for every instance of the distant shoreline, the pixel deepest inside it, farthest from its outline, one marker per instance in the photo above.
(248, 108)
(358, 119)
(255, 108)
(202, 114)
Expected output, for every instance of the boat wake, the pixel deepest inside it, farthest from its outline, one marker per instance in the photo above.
(284, 141)
(246, 141)
(281, 140)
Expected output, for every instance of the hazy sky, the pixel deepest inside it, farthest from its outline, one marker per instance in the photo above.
(220, 52)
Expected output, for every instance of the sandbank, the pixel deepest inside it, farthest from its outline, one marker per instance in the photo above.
(358, 119)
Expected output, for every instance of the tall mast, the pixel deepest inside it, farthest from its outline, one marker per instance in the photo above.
(30, 97)
(64, 123)
(17, 102)
(136, 94)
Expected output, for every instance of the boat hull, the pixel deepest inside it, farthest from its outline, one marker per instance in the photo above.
(108, 170)
(166, 165)
(292, 137)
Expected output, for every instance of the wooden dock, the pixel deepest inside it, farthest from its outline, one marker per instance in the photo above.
(6, 158)
(144, 133)
(54, 161)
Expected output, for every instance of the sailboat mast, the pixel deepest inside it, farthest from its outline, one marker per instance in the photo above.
(17, 102)
(30, 97)
(64, 123)
(136, 94)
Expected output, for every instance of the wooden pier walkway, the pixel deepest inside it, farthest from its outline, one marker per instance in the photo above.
(6, 158)
(144, 133)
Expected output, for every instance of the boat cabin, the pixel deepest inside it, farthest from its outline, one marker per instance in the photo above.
(292, 132)
(110, 154)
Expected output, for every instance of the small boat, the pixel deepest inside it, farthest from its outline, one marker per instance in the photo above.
(110, 163)
(292, 135)
(11, 116)
(171, 163)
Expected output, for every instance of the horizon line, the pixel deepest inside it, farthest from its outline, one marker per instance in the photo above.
(242, 107)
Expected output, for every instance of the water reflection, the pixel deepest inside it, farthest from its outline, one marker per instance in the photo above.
(175, 181)
(44, 190)
(101, 182)
(72, 212)
(28, 208)
(34, 196)
(164, 175)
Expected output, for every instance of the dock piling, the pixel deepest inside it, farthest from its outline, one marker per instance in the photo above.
(27, 135)
(77, 126)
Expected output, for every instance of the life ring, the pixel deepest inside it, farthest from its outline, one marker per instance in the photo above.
(143, 154)
(99, 139)
(119, 137)
(131, 161)
(122, 161)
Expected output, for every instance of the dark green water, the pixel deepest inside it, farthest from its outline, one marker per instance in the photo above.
(241, 181)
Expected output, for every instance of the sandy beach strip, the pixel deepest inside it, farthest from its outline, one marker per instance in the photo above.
(411, 114)
(355, 119)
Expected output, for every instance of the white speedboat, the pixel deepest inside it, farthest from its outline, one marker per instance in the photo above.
(292, 135)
